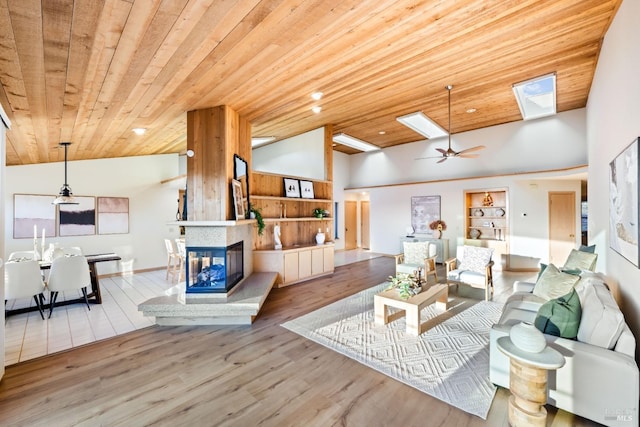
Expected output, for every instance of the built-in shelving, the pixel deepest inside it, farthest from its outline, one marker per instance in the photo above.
(487, 222)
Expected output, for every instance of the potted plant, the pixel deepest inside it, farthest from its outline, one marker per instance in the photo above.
(257, 214)
(438, 226)
(318, 212)
(407, 285)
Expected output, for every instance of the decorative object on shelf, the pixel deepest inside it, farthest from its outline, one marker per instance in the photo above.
(438, 226)
(527, 337)
(257, 214)
(409, 230)
(488, 200)
(325, 213)
(407, 285)
(424, 209)
(276, 237)
(500, 212)
(291, 187)
(241, 174)
(236, 187)
(474, 233)
(318, 212)
(306, 189)
(478, 212)
(320, 237)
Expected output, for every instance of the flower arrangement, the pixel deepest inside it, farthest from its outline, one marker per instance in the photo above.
(438, 224)
(407, 285)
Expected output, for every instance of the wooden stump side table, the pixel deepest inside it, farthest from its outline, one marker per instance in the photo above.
(528, 382)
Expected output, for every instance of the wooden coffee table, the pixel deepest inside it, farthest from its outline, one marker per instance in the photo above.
(410, 307)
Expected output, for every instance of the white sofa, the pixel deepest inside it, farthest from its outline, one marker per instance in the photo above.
(596, 382)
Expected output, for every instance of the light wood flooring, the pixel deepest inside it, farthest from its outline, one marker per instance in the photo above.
(252, 375)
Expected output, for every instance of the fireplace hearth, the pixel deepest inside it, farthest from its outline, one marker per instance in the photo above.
(214, 269)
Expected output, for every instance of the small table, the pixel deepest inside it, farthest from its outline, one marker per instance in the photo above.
(528, 382)
(411, 306)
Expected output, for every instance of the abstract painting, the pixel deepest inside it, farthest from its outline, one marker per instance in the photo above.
(424, 210)
(623, 203)
(31, 210)
(113, 215)
(80, 219)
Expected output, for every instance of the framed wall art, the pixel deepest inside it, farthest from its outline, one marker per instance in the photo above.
(623, 203)
(113, 215)
(291, 187)
(31, 210)
(238, 200)
(78, 220)
(306, 189)
(424, 210)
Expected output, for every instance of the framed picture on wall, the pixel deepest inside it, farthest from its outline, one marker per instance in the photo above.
(623, 203)
(424, 210)
(33, 212)
(291, 187)
(78, 220)
(113, 215)
(306, 189)
(238, 200)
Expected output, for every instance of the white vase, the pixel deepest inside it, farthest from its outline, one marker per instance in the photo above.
(527, 337)
(320, 237)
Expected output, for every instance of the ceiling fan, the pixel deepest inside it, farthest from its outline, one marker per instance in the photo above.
(450, 152)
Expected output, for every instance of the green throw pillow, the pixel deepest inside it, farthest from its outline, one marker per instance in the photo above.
(560, 316)
(590, 249)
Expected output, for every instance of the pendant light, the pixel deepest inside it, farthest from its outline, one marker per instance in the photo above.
(65, 197)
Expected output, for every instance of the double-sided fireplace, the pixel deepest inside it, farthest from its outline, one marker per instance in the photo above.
(214, 269)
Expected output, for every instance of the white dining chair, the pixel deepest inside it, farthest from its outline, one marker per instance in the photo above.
(182, 255)
(72, 250)
(23, 280)
(172, 259)
(68, 274)
(21, 255)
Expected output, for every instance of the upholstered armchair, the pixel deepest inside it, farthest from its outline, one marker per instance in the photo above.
(472, 266)
(417, 255)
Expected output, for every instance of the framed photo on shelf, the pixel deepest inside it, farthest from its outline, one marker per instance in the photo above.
(291, 187)
(306, 189)
(238, 201)
(623, 203)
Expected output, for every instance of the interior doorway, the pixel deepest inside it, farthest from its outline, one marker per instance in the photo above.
(364, 224)
(562, 225)
(350, 224)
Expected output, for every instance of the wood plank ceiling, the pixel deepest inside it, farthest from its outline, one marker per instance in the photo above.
(88, 71)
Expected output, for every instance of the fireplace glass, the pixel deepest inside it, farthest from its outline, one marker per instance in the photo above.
(214, 269)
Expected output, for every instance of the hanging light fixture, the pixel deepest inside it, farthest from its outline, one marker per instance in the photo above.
(65, 197)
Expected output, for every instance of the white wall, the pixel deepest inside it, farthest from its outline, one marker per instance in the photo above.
(613, 117)
(543, 144)
(151, 205)
(301, 155)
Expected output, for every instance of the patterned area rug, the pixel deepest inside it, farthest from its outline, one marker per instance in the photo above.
(450, 361)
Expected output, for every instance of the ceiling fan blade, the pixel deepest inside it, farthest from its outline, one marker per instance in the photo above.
(442, 160)
(468, 156)
(428, 157)
(476, 148)
(442, 150)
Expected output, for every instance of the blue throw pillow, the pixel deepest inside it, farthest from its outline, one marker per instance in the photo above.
(560, 316)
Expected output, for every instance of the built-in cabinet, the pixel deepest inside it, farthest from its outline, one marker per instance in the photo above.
(487, 222)
(300, 258)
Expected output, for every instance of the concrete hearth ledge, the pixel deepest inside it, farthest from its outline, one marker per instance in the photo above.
(239, 308)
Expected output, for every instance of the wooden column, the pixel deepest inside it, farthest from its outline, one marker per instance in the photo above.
(215, 135)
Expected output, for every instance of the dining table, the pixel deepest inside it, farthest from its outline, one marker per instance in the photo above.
(94, 296)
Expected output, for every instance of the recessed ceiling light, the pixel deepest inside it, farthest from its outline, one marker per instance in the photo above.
(317, 95)
(422, 124)
(536, 97)
(139, 131)
(316, 109)
(261, 140)
(381, 132)
(352, 142)
(471, 110)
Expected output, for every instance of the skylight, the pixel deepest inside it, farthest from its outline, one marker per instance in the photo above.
(422, 124)
(536, 97)
(352, 142)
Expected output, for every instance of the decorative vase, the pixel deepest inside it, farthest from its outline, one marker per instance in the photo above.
(527, 337)
(320, 237)
(437, 234)
(500, 212)
(474, 233)
(478, 212)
